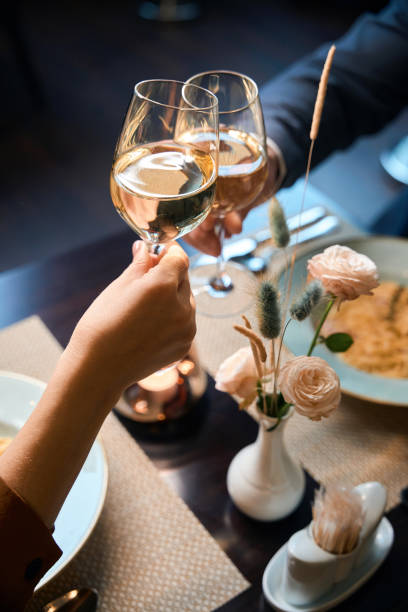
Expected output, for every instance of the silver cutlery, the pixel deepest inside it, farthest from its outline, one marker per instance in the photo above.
(313, 224)
(76, 600)
(324, 227)
(245, 246)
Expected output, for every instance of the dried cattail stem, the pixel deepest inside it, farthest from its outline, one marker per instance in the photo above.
(247, 322)
(254, 349)
(247, 401)
(249, 333)
(321, 94)
(337, 519)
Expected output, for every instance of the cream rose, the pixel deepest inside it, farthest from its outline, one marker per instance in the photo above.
(237, 374)
(311, 385)
(344, 272)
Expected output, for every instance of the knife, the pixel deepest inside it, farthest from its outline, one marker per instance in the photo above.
(259, 263)
(245, 246)
(323, 227)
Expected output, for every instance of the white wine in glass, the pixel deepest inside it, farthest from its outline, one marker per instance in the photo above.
(163, 177)
(162, 183)
(221, 289)
(163, 190)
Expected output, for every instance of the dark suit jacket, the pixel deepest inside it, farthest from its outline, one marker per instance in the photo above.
(368, 86)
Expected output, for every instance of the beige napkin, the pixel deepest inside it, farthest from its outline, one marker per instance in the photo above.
(148, 552)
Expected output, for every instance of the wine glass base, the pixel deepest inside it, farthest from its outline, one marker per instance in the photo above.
(218, 287)
(227, 301)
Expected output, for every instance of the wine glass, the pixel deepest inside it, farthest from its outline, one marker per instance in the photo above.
(164, 168)
(221, 289)
(162, 184)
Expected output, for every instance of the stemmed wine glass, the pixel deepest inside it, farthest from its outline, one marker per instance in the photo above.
(162, 184)
(165, 163)
(221, 289)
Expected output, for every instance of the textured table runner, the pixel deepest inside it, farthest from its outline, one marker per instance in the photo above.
(148, 552)
(360, 442)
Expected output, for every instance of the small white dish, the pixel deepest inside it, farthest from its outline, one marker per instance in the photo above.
(272, 577)
(19, 395)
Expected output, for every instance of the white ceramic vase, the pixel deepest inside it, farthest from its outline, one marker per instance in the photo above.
(263, 480)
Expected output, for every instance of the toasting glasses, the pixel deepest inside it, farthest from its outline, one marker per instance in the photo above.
(221, 289)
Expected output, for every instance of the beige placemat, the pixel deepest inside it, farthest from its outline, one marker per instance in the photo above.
(147, 552)
(360, 442)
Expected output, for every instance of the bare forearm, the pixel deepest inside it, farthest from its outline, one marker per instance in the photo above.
(43, 461)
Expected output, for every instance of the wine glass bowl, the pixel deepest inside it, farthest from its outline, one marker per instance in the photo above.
(165, 163)
(242, 174)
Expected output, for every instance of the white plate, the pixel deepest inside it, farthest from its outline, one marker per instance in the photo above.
(272, 577)
(391, 257)
(78, 516)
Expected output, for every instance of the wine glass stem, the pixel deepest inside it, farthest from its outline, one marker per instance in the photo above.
(154, 248)
(220, 233)
(221, 283)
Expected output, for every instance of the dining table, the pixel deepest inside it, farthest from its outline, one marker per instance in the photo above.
(195, 462)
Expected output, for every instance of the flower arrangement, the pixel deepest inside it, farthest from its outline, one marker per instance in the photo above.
(306, 382)
(265, 387)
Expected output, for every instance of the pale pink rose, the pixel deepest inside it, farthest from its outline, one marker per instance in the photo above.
(344, 272)
(237, 374)
(311, 385)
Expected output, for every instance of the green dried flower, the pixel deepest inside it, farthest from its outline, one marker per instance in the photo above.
(311, 296)
(269, 315)
(278, 226)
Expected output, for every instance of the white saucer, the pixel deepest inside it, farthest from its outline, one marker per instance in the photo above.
(272, 577)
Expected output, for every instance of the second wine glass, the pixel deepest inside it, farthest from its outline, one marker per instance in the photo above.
(222, 289)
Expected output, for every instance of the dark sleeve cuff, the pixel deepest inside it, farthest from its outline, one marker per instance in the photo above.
(28, 550)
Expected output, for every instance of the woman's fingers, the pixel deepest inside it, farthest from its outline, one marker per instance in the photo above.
(142, 260)
(174, 263)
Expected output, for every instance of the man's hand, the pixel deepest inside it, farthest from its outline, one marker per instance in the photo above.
(204, 237)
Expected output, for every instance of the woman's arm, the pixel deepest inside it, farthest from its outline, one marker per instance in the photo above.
(141, 322)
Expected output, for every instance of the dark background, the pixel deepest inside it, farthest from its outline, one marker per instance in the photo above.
(68, 71)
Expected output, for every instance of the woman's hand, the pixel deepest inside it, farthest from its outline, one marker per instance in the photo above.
(205, 239)
(144, 320)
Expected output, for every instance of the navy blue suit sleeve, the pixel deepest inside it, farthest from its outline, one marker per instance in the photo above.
(368, 86)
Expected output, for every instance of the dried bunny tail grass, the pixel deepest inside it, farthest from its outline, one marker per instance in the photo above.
(254, 349)
(277, 223)
(268, 310)
(337, 519)
(311, 296)
(249, 333)
(321, 94)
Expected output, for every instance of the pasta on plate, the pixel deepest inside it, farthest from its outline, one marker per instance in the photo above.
(378, 325)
